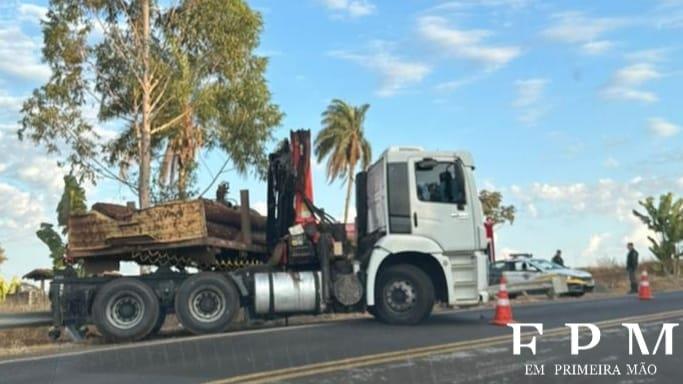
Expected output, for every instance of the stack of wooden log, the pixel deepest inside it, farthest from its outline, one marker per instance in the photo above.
(222, 221)
(225, 222)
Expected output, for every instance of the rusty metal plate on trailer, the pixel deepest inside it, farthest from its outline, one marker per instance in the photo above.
(165, 223)
(169, 226)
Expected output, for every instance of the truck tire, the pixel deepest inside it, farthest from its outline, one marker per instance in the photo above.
(207, 303)
(160, 322)
(404, 295)
(125, 309)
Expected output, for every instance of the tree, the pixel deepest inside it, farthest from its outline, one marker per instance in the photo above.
(9, 288)
(666, 219)
(72, 202)
(87, 70)
(218, 87)
(491, 204)
(342, 140)
(183, 77)
(54, 243)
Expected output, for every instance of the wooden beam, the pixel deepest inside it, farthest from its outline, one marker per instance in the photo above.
(245, 213)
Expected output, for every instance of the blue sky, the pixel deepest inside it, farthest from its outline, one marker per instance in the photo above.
(572, 110)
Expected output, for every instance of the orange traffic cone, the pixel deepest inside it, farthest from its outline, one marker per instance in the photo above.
(503, 310)
(644, 292)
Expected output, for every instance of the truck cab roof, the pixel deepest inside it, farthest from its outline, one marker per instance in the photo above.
(402, 154)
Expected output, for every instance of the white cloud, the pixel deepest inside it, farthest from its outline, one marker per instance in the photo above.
(395, 73)
(604, 197)
(576, 27)
(9, 104)
(637, 74)
(529, 93)
(468, 45)
(668, 14)
(615, 93)
(468, 4)
(32, 12)
(596, 47)
(260, 207)
(649, 55)
(351, 8)
(28, 166)
(19, 210)
(638, 234)
(41, 172)
(21, 55)
(662, 128)
(595, 244)
(611, 162)
(452, 85)
(591, 221)
(627, 83)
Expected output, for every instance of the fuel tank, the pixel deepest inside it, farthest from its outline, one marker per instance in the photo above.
(287, 292)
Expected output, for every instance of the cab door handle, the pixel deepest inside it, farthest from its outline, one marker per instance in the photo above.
(415, 219)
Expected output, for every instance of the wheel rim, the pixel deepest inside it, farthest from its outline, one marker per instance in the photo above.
(207, 304)
(400, 295)
(125, 310)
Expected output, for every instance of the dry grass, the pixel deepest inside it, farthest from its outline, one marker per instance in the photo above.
(11, 307)
(21, 341)
(613, 278)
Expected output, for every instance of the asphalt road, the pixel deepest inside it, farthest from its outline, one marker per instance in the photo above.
(458, 346)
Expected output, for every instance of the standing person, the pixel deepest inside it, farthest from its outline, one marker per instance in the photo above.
(632, 267)
(557, 259)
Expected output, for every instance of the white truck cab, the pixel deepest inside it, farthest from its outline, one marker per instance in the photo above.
(422, 213)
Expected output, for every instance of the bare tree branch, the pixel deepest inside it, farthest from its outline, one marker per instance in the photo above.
(170, 122)
(215, 177)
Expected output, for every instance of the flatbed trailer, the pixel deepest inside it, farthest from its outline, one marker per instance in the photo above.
(196, 233)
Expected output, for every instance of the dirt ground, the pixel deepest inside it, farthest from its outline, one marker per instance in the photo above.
(610, 281)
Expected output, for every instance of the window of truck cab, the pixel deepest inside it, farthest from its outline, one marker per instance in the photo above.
(440, 181)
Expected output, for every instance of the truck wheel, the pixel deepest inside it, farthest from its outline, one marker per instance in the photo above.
(207, 303)
(125, 309)
(404, 295)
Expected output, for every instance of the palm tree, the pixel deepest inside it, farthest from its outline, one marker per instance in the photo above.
(343, 142)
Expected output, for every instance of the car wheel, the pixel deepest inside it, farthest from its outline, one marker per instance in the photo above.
(404, 295)
(125, 310)
(207, 303)
(576, 291)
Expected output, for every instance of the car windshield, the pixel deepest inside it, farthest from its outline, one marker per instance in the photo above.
(546, 265)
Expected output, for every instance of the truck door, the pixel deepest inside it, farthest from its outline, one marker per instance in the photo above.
(441, 206)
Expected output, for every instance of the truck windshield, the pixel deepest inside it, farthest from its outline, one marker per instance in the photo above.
(441, 182)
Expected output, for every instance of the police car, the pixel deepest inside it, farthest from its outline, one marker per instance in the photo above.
(534, 275)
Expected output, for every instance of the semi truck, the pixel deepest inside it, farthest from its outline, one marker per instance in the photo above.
(419, 240)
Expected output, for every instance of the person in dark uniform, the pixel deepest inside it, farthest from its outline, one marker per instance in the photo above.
(557, 259)
(632, 267)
